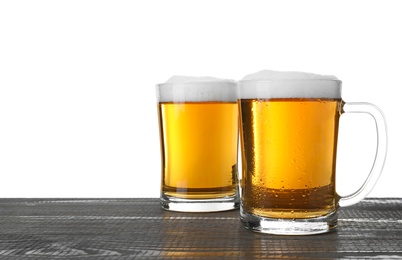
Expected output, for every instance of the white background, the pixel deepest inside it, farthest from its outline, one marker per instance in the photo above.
(77, 82)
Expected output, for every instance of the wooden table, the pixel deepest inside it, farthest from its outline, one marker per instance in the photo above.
(138, 228)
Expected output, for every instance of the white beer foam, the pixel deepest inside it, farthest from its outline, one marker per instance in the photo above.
(289, 84)
(196, 89)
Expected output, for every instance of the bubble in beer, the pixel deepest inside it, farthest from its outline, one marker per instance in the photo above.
(196, 89)
(289, 84)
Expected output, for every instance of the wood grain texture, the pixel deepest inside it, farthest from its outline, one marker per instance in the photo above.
(138, 228)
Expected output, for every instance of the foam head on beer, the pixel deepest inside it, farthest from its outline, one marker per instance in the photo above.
(289, 84)
(196, 89)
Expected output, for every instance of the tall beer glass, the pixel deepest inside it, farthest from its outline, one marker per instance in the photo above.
(198, 122)
(289, 131)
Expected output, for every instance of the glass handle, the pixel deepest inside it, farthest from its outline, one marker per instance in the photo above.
(381, 150)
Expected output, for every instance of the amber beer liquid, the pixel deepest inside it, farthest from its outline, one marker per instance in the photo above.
(198, 125)
(199, 140)
(289, 156)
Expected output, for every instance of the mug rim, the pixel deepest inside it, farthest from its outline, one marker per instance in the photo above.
(286, 80)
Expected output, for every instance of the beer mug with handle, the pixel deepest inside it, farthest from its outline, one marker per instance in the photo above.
(198, 122)
(288, 131)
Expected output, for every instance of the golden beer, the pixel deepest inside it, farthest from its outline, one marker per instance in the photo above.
(199, 149)
(289, 149)
(289, 133)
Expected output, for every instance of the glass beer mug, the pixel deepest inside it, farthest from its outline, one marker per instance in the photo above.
(198, 123)
(288, 131)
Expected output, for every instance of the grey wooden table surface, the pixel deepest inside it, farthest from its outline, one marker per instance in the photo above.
(139, 229)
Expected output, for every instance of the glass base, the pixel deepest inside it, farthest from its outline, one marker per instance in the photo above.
(278, 226)
(199, 205)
